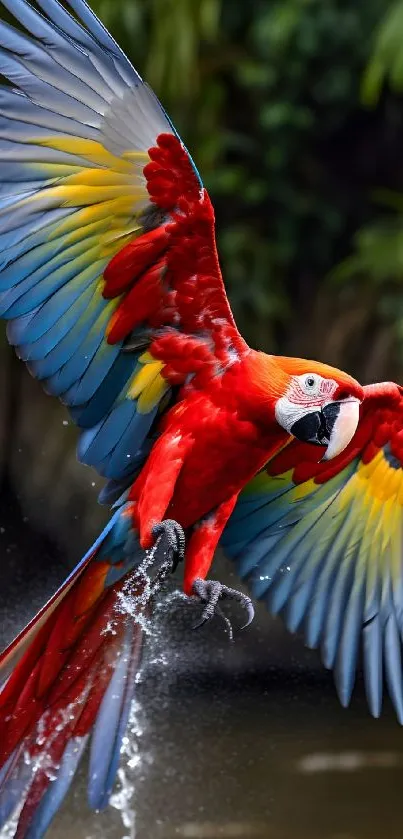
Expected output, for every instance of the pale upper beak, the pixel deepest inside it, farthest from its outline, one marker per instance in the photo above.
(344, 427)
(333, 426)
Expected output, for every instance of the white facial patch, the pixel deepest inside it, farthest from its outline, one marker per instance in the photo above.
(287, 413)
(305, 394)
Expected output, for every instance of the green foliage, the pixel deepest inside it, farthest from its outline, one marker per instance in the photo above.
(377, 258)
(296, 83)
(386, 62)
(378, 254)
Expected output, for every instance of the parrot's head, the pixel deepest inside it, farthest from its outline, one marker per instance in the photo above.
(314, 402)
(318, 404)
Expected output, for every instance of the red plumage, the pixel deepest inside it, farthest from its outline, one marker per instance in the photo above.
(140, 304)
(170, 176)
(133, 260)
(170, 277)
(49, 676)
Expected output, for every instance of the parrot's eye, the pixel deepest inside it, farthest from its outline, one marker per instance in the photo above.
(308, 384)
(311, 383)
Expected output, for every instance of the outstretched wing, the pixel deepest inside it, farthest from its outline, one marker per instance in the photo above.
(322, 544)
(109, 275)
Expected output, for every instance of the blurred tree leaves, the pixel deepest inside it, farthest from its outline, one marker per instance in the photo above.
(386, 62)
(377, 258)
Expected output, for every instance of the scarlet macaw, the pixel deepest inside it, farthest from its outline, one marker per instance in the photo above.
(110, 281)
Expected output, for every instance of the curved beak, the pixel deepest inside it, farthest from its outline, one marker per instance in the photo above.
(334, 426)
(343, 427)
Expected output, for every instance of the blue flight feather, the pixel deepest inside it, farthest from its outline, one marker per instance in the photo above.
(112, 721)
(97, 443)
(70, 374)
(96, 397)
(373, 664)
(393, 664)
(57, 789)
(126, 449)
(347, 653)
(68, 345)
(40, 349)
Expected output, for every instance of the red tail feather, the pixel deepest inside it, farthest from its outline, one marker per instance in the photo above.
(57, 687)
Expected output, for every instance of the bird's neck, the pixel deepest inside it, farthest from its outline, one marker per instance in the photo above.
(254, 385)
(248, 392)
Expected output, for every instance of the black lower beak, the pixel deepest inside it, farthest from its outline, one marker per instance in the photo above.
(317, 426)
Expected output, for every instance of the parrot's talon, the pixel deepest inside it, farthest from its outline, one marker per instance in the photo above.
(211, 592)
(174, 552)
(175, 536)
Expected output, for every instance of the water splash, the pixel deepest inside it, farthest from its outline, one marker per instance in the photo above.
(134, 601)
(129, 772)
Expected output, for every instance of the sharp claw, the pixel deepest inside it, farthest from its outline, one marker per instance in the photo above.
(241, 598)
(210, 592)
(200, 623)
(247, 603)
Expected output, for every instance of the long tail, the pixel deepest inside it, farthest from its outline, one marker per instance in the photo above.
(70, 672)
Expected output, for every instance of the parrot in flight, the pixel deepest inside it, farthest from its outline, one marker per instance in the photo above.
(111, 286)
